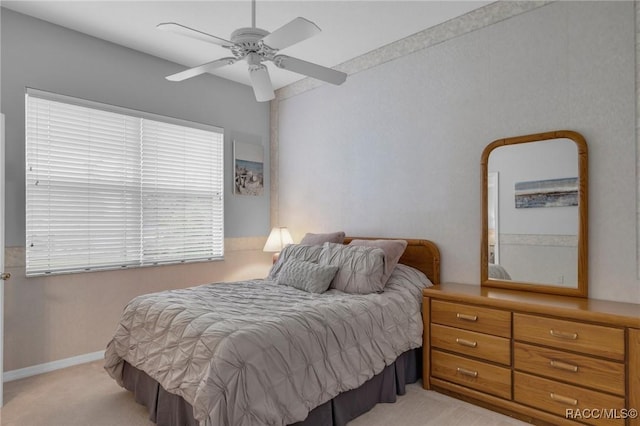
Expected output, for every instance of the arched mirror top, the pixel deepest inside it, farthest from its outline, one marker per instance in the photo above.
(534, 213)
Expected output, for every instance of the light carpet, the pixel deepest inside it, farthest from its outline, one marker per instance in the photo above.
(85, 395)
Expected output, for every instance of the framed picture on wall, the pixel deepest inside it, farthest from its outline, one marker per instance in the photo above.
(248, 169)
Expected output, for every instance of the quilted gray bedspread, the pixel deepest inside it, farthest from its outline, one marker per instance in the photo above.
(258, 353)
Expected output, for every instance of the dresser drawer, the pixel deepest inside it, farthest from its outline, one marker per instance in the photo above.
(597, 340)
(558, 398)
(479, 345)
(478, 375)
(474, 318)
(607, 376)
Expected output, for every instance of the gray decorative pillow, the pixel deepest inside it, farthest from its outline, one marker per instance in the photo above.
(406, 276)
(319, 239)
(295, 251)
(393, 250)
(361, 268)
(307, 276)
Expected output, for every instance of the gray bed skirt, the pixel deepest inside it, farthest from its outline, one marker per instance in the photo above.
(166, 409)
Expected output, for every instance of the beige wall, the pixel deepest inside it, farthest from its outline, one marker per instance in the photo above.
(61, 316)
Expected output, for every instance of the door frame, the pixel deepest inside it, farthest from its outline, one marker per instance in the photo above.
(2, 204)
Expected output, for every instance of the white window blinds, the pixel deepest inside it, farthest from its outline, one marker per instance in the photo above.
(181, 193)
(108, 188)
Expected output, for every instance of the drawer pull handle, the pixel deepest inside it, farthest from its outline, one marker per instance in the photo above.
(563, 334)
(465, 342)
(563, 366)
(466, 372)
(466, 317)
(563, 399)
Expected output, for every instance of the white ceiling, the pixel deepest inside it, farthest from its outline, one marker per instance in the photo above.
(349, 28)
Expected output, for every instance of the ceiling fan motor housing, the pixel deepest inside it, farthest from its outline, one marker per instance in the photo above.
(248, 40)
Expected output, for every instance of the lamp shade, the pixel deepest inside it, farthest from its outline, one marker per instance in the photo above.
(278, 238)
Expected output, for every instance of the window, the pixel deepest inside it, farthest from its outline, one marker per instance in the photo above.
(108, 187)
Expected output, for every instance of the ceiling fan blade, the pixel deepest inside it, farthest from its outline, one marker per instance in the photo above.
(289, 34)
(204, 68)
(261, 83)
(309, 69)
(190, 32)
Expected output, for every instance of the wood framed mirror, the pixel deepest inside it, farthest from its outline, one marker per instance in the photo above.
(535, 212)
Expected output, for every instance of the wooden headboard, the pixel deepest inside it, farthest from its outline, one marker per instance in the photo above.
(420, 254)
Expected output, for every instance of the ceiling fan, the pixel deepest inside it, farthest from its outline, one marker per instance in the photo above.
(256, 46)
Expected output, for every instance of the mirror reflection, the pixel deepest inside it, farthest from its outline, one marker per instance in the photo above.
(534, 213)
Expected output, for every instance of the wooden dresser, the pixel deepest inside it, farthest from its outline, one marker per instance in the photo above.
(541, 358)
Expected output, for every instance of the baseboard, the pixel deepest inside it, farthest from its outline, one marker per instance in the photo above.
(21, 373)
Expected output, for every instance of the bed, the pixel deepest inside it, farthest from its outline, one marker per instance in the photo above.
(256, 352)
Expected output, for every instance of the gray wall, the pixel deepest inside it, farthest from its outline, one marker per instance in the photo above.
(395, 151)
(57, 317)
(40, 55)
